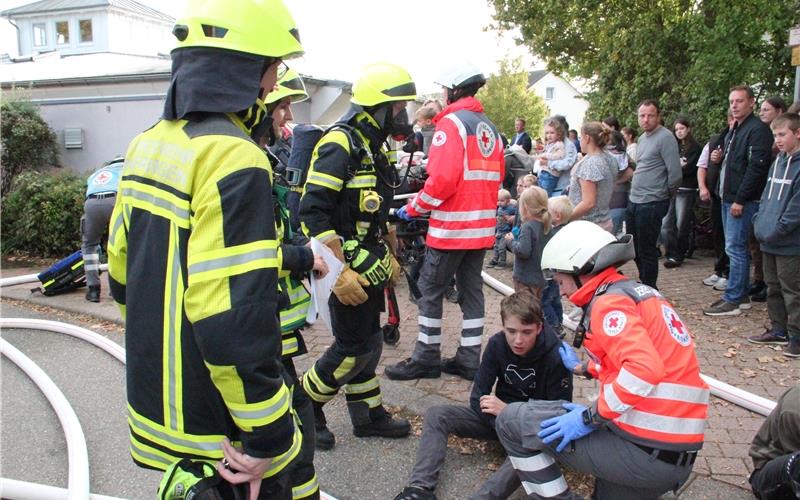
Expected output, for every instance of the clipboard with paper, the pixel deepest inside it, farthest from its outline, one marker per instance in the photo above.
(321, 287)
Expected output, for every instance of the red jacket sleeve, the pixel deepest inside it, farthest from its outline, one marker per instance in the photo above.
(445, 169)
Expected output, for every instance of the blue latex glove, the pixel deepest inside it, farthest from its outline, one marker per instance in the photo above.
(515, 232)
(568, 427)
(568, 356)
(402, 214)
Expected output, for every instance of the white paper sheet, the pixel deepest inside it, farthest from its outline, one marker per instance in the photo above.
(321, 288)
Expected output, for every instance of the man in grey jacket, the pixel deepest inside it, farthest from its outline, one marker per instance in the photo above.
(655, 180)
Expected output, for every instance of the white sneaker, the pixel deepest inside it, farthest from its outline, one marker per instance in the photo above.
(721, 284)
(711, 280)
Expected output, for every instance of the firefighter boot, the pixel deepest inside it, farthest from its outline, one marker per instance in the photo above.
(325, 439)
(383, 425)
(93, 294)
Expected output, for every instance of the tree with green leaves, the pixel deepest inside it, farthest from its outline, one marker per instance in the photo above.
(506, 97)
(685, 53)
(28, 143)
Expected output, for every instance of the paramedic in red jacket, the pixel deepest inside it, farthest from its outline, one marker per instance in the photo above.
(640, 438)
(465, 168)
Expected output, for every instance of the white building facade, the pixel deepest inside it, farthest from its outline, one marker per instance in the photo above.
(561, 97)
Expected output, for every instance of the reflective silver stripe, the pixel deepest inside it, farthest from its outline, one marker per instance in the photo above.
(633, 384)
(481, 175)
(470, 341)
(290, 344)
(172, 332)
(679, 392)
(325, 180)
(90, 257)
(362, 181)
(532, 464)
(233, 260)
(660, 423)
(418, 208)
(429, 322)
(305, 490)
(91, 267)
(112, 235)
(272, 409)
(482, 232)
(180, 213)
(430, 200)
(199, 446)
(291, 315)
(462, 130)
(613, 401)
(547, 490)
(472, 323)
(463, 216)
(429, 339)
(150, 456)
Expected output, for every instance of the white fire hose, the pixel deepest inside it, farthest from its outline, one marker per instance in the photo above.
(718, 388)
(76, 442)
(30, 278)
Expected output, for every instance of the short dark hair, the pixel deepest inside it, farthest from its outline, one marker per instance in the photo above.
(525, 306)
(612, 122)
(744, 88)
(650, 102)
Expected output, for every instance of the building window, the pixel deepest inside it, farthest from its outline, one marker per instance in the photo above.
(548, 93)
(39, 35)
(85, 28)
(62, 32)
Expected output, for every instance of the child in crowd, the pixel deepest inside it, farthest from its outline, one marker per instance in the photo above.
(560, 209)
(506, 213)
(777, 228)
(528, 248)
(524, 363)
(425, 116)
(554, 149)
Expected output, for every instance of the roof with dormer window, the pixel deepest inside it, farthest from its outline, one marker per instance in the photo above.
(54, 6)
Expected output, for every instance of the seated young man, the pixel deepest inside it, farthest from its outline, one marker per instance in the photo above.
(524, 361)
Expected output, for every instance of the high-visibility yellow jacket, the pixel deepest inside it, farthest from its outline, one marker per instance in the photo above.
(193, 263)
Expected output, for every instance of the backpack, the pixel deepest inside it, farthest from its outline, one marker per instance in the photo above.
(305, 138)
(65, 275)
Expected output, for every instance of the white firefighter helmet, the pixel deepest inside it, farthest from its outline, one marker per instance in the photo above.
(583, 247)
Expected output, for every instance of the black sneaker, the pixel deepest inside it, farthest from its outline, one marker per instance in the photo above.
(672, 262)
(93, 294)
(408, 369)
(793, 349)
(760, 296)
(491, 264)
(769, 337)
(453, 367)
(722, 308)
(415, 493)
(385, 426)
(757, 287)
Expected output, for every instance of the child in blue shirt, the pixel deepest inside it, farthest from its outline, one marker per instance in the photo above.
(506, 213)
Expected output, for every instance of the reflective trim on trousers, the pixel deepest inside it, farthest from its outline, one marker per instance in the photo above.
(429, 339)
(429, 322)
(532, 464)
(306, 489)
(547, 490)
(471, 341)
(472, 323)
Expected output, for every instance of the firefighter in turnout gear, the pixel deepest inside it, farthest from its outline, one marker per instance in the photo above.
(194, 258)
(465, 168)
(297, 261)
(345, 204)
(640, 438)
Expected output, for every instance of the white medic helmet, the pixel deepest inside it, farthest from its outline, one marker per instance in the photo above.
(460, 75)
(583, 247)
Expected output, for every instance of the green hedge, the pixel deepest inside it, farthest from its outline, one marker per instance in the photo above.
(42, 214)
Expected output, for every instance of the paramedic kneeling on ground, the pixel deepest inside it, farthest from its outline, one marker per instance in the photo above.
(640, 438)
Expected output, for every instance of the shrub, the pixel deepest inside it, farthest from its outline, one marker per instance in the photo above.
(28, 143)
(42, 215)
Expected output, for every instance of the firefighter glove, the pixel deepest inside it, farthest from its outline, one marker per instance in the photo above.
(349, 288)
(376, 271)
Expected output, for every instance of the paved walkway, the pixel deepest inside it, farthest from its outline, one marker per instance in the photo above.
(721, 344)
